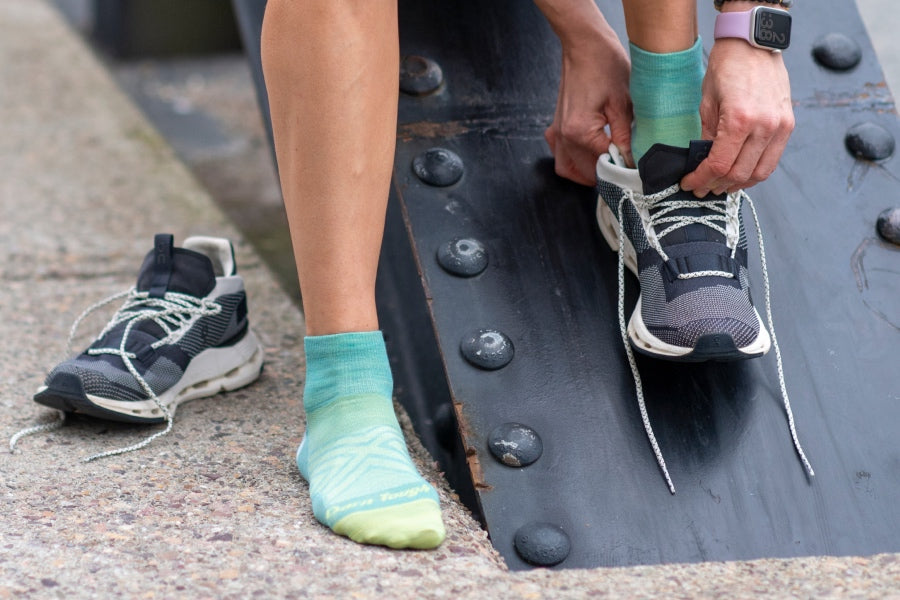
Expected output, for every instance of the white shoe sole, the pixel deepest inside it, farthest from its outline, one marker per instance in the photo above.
(212, 371)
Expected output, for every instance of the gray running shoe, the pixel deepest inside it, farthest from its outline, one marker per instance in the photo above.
(690, 256)
(182, 333)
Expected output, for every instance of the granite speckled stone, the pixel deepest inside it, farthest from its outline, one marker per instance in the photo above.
(216, 509)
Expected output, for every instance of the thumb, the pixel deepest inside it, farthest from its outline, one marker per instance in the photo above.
(709, 120)
(620, 135)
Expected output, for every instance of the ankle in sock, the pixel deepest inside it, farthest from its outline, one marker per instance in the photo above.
(666, 92)
(362, 481)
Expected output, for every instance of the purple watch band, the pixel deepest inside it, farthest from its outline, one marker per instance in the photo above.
(733, 25)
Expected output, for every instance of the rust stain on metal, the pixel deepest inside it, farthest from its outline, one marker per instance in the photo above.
(431, 129)
(465, 433)
(497, 125)
(874, 96)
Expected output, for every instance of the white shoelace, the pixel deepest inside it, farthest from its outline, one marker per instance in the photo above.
(173, 313)
(663, 208)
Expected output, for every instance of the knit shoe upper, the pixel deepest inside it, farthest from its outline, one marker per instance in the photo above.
(182, 333)
(690, 256)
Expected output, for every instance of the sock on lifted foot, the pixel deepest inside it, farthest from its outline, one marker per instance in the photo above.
(666, 91)
(362, 481)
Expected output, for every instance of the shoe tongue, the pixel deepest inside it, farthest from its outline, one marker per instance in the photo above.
(664, 165)
(170, 269)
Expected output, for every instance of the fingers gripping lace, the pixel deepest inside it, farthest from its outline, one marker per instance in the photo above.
(645, 418)
(174, 313)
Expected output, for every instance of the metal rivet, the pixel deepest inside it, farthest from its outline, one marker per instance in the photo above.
(461, 256)
(515, 445)
(869, 141)
(438, 166)
(837, 51)
(542, 544)
(888, 225)
(488, 349)
(419, 76)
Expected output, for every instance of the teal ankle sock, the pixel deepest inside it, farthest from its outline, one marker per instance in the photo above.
(666, 91)
(362, 481)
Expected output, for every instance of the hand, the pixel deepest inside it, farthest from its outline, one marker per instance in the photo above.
(746, 110)
(593, 89)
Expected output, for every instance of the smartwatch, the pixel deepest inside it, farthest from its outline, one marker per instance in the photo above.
(761, 27)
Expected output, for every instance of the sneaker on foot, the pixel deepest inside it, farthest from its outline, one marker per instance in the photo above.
(182, 333)
(690, 256)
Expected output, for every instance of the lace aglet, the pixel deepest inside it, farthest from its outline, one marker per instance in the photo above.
(807, 466)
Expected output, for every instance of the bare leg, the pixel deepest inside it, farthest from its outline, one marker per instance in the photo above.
(332, 71)
(661, 26)
(332, 74)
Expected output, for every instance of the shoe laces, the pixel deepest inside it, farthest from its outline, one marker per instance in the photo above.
(660, 208)
(665, 215)
(174, 313)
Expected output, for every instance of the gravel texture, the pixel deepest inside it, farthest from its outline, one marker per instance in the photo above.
(216, 509)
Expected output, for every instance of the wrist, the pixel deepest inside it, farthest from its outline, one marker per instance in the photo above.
(740, 51)
(736, 56)
(761, 27)
(576, 23)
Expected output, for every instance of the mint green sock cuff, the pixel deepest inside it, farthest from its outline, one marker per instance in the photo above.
(666, 85)
(345, 364)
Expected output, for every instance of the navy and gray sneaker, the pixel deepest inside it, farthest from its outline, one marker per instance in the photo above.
(690, 256)
(182, 333)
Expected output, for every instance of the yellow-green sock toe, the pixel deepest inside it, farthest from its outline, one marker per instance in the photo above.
(416, 525)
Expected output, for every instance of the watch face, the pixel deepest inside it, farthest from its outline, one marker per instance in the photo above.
(773, 28)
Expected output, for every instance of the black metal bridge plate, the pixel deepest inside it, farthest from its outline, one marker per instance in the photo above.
(550, 286)
(590, 492)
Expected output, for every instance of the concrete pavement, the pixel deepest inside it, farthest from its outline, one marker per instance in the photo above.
(216, 509)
